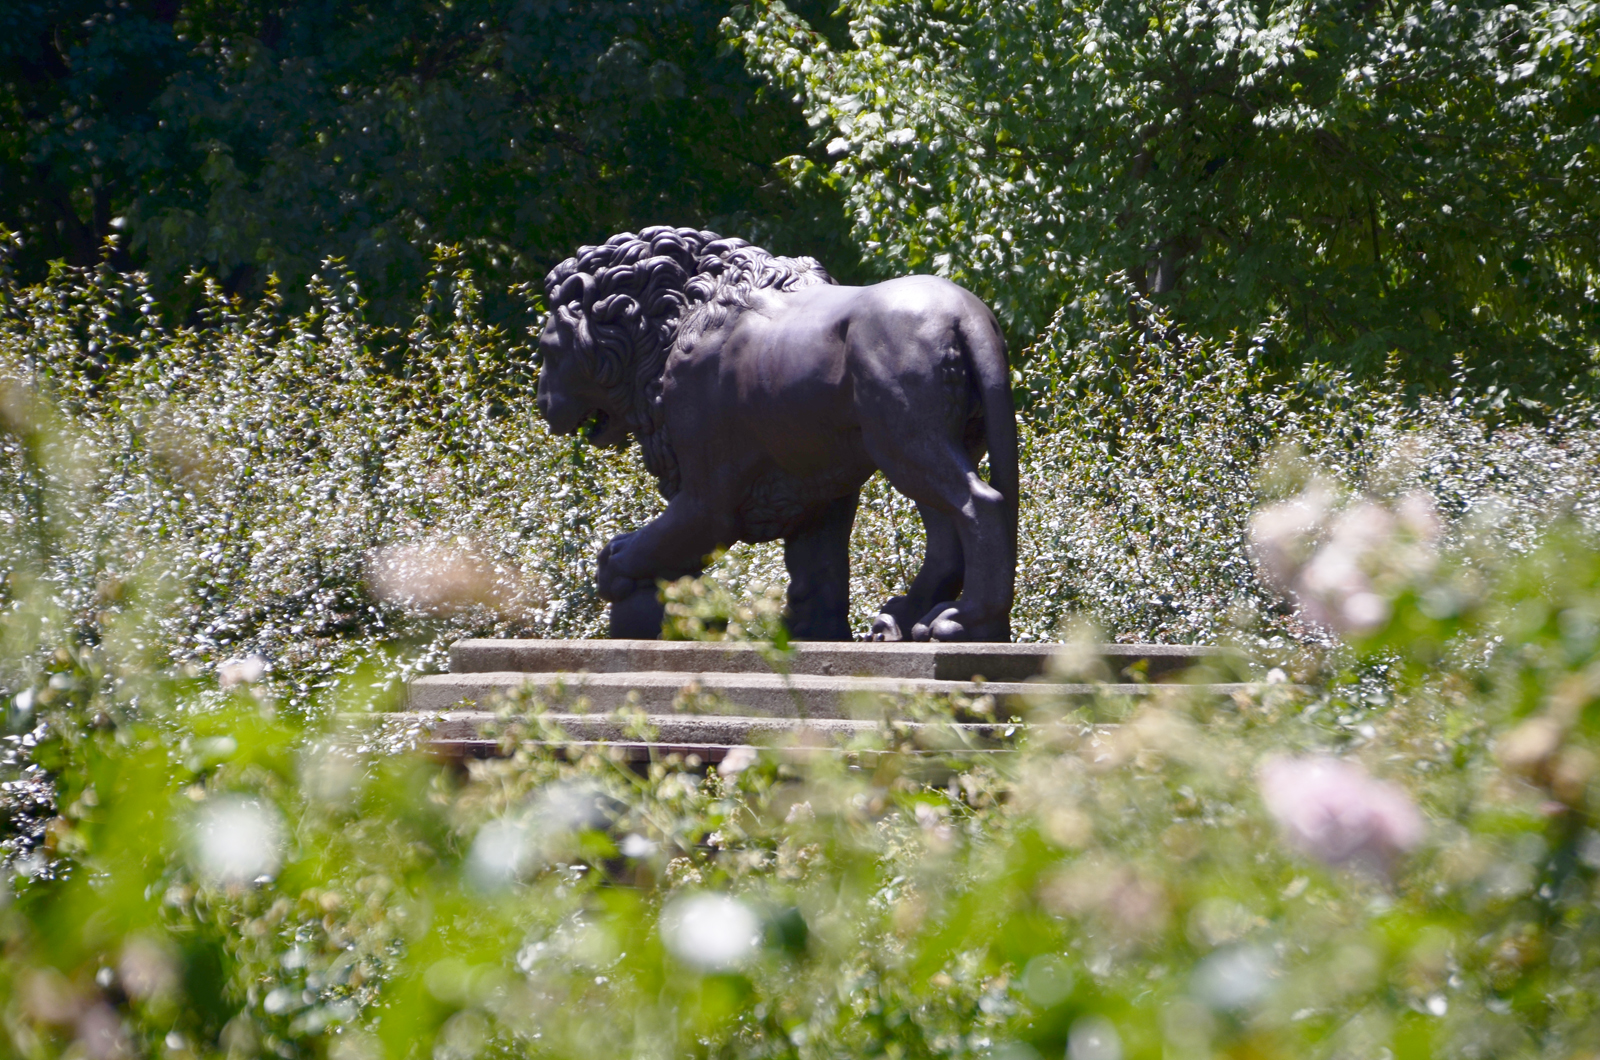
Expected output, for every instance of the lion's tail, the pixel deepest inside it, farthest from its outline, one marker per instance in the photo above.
(986, 355)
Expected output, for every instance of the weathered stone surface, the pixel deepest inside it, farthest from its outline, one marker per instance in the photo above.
(728, 729)
(925, 661)
(710, 737)
(704, 697)
(764, 695)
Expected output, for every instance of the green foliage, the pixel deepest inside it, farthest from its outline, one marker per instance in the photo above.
(323, 492)
(1413, 179)
(225, 547)
(256, 139)
(706, 609)
(1128, 885)
(1147, 449)
(300, 497)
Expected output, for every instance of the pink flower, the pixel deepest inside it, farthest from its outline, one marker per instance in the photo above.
(1342, 566)
(1335, 811)
(441, 577)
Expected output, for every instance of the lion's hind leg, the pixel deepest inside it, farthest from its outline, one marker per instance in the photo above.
(938, 579)
(940, 475)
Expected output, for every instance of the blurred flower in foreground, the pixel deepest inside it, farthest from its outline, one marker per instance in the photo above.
(440, 577)
(101, 1034)
(737, 760)
(237, 840)
(1335, 811)
(241, 670)
(634, 845)
(512, 847)
(147, 970)
(502, 853)
(1364, 549)
(1046, 980)
(48, 997)
(1233, 977)
(1094, 1038)
(331, 775)
(710, 932)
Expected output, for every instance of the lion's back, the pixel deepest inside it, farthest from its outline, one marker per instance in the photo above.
(921, 300)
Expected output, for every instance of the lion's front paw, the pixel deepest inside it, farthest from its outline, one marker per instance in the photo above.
(944, 622)
(637, 617)
(885, 628)
(609, 582)
(893, 622)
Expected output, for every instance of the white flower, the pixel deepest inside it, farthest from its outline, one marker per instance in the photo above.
(1094, 1038)
(634, 845)
(237, 840)
(1365, 545)
(710, 932)
(737, 760)
(502, 852)
(241, 670)
(147, 969)
(1046, 980)
(1336, 581)
(1234, 977)
(1282, 534)
(511, 847)
(330, 775)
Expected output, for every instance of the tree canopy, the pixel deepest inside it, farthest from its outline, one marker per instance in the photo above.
(1401, 181)
(1402, 186)
(250, 136)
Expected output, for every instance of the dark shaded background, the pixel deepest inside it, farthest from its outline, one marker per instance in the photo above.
(247, 138)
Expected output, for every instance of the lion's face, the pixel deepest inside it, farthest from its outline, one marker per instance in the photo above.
(569, 397)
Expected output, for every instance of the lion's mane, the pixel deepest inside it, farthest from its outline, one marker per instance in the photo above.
(625, 306)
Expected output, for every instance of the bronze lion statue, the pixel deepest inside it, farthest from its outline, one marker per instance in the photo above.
(763, 396)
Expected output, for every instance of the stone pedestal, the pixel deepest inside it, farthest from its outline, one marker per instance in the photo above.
(704, 698)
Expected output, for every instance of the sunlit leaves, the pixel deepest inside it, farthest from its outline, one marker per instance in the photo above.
(1414, 179)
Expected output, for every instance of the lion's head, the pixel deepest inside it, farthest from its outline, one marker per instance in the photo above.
(616, 312)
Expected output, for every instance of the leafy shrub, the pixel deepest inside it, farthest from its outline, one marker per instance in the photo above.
(225, 548)
(269, 472)
(1148, 448)
(223, 878)
(319, 491)
(254, 140)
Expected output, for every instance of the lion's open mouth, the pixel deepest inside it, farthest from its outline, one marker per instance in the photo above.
(595, 424)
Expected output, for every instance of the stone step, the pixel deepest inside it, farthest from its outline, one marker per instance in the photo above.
(768, 695)
(474, 733)
(729, 730)
(930, 662)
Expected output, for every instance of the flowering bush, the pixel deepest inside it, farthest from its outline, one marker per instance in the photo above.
(1294, 870)
(226, 547)
(327, 494)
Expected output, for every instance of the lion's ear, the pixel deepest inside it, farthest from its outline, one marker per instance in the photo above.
(569, 318)
(575, 290)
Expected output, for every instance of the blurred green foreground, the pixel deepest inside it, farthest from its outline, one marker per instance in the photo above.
(219, 878)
